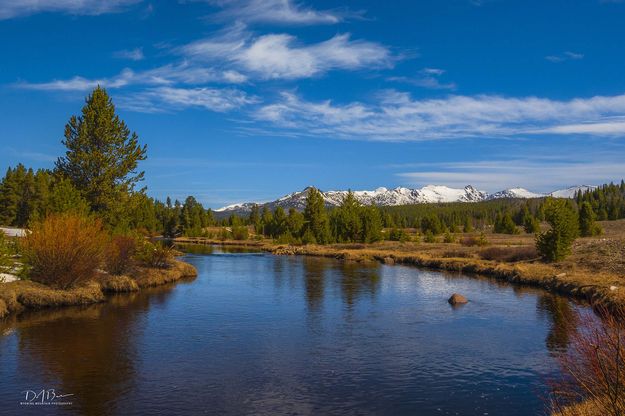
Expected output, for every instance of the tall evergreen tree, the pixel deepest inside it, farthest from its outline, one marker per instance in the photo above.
(587, 225)
(316, 217)
(102, 156)
(555, 244)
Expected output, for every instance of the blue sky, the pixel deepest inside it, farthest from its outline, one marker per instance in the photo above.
(243, 100)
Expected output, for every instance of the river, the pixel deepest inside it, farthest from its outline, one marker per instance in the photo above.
(257, 334)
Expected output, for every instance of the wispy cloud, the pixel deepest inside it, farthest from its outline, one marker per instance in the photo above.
(135, 54)
(426, 78)
(169, 74)
(396, 116)
(16, 8)
(162, 99)
(276, 11)
(281, 56)
(495, 175)
(566, 56)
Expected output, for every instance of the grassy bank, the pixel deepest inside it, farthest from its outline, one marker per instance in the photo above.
(595, 271)
(21, 295)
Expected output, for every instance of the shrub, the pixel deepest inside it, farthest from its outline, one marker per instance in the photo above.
(555, 244)
(449, 238)
(64, 250)
(224, 234)
(287, 238)
(429, 237)
(509, 254)
(593, 368)
(119, 254)
(155, 255)
(398, 234)
(308, 238)
(471, 241)
(240, 233)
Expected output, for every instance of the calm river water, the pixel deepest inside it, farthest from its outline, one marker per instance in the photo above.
(275, 335)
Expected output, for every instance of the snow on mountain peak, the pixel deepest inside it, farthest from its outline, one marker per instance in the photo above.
(404, 196)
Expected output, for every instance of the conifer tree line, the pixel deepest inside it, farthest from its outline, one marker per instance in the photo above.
(98, 174)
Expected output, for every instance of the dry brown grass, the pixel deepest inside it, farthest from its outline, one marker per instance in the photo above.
(4, 309)
(148, 277)
(21, 295)
(119, 284)
(35, 295)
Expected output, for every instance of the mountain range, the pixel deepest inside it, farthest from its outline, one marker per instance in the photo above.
(401, 196)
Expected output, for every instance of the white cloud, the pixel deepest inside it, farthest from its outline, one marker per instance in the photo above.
(275, 11)
(278, 56)
(15, 8)
(162, 99)
(566, 56)
(495, 175)
(135, 54)
(170, 74)
(427, 78)
(396, 116)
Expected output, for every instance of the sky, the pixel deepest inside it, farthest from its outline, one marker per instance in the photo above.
(248, 100)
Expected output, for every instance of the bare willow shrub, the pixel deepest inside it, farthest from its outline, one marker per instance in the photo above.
(119, 254)
(64, 250)
(593, 368)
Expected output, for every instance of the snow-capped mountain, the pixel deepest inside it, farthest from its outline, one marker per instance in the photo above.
(402, 196)
(515, 193)
(570, 192)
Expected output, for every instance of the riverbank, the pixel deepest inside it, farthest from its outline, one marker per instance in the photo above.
(592, 273)
(22, 295)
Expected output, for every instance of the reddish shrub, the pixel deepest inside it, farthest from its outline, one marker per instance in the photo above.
(120, 252)
(64, 249)
(594, 368)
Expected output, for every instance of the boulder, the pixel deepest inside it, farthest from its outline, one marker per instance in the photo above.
(388, 260)
(457, 299)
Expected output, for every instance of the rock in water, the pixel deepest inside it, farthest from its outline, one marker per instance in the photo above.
(457, 299)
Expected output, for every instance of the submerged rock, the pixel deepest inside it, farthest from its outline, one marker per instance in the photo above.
(457, 299)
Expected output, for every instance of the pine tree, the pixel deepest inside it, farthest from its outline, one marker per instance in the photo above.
(64, 197)
(102, 156)
(345, 220)
(587, 225)
(316, 217)
(279, 223)
(530, 222)
(254, 219)
(468, 225)
(504, 224)
(555, 244)
(371, 225)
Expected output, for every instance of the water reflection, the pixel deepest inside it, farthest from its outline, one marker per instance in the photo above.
(358, 280)
(563, 320)
(89, 352)
(314, 282)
